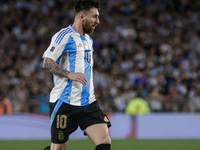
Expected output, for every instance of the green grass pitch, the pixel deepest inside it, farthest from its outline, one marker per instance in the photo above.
(125, 144)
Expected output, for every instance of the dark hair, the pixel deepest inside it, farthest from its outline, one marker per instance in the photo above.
(86, 5)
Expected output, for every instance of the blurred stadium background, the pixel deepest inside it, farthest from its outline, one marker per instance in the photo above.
(146, 72)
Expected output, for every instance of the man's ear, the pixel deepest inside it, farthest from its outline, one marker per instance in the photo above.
(81, 16)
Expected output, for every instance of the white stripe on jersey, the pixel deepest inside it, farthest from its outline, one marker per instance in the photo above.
(72, 52)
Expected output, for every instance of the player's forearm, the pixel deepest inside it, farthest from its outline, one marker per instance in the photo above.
(54, 68)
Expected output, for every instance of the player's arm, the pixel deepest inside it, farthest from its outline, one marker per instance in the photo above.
(53, 67)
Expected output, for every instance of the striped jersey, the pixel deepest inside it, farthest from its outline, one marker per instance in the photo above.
(74, 52)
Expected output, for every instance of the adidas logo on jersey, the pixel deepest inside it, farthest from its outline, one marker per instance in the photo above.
(80, 45)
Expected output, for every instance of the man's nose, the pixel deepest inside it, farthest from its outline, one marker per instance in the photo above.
(97, 21)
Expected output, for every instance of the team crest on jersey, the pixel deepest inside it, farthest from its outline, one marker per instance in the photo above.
(61, 135)
(85, 44)
(52, 48)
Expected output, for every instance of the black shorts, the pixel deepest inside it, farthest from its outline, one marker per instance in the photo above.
(66, 118)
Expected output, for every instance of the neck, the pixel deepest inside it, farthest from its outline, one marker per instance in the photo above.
(77, 25)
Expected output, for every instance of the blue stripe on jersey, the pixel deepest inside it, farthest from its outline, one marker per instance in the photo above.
(72, 61)
(55, 110)
(86, 87)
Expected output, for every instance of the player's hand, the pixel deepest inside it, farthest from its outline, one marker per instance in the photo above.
(78, 76)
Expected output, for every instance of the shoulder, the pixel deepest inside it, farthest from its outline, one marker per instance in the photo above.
(62, 35)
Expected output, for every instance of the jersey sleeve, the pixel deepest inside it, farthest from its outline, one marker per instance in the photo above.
(57, 46)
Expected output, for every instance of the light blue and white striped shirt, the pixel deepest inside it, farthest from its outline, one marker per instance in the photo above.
(73, 52)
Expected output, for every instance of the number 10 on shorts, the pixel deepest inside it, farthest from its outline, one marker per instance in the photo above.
(61, 121)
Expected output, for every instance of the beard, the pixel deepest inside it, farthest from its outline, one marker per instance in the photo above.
(87, 27)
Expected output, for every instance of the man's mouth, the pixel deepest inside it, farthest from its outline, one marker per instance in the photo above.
(94, 26)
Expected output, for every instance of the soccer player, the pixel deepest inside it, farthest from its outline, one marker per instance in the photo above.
(72, 101)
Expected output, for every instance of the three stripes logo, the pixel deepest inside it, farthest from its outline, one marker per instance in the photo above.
(61, 35)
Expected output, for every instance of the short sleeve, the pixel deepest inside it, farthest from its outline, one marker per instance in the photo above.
(55, 49)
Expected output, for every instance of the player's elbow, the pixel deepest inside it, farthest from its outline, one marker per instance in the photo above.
(43, 66)
(45, 63)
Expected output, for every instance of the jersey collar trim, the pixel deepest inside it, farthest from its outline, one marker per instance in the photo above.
(70, 26)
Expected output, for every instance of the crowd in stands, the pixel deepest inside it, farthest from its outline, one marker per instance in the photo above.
(142, 48)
